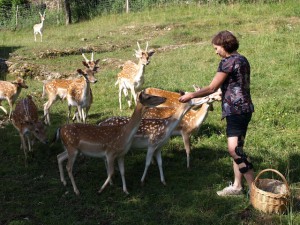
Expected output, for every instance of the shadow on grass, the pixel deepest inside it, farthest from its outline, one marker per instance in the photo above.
(5, 51)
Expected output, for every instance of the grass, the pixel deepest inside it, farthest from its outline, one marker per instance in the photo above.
(269, 37)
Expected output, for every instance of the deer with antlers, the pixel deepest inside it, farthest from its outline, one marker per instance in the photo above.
(25, 120)
(79, 93)
(38, 28)
(132, 75)
(10, 91)
(58, 88)
(108, 142)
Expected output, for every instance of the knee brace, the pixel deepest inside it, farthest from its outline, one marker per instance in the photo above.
(242, 156)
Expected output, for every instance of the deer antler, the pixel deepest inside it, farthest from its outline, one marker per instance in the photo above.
(138, 46)
(85, 58)
(146, 47)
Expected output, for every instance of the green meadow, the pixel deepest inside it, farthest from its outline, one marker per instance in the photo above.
(181, 35)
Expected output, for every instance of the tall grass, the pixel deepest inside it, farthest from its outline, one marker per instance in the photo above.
(269, 38)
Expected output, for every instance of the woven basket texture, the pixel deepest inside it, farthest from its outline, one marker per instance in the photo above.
(270, 195)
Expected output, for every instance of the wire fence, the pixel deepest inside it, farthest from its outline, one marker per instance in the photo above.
(23, 16)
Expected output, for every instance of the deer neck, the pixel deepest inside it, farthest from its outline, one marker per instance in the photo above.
(42, 23)
(175, 119)
(130, 129)
(140, 71)
(86, 87)
(201, 114)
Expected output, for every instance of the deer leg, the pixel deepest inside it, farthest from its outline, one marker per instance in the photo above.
(105, 161)
(187, 146)
(79, 110)
(122, 172)
(69, 113)
(125, 91)
(1, 107)
(60, 158)
(159, 163)
(24, 147)
(41, 36)
(110, 172)
(10, 108)
(83, 115)
(120, 97)
(71, 160)
(149, 156)
(47, 106)
(133, 93)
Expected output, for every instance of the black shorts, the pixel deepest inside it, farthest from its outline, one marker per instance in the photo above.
(237, 124)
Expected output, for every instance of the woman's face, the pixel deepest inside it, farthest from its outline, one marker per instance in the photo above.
(220, 51)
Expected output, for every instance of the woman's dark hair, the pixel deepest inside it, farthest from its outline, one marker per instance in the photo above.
(227, 40)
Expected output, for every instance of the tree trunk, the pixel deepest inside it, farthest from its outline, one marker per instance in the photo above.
(67, 8)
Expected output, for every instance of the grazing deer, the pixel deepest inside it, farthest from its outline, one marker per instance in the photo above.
(25, 120)
(38, 28)
(108, 142)
(132, 75)
(154, 133)
(57, 89)
(79, 93)
(189, 124)
(10, 91)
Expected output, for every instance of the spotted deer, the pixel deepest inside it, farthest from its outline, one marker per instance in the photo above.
(10, 91)
(189, 124)
(79, 93)
(108, 142)
(26, 120)
(38, 28)
(57, 89)
(154, 133)
(132, 75)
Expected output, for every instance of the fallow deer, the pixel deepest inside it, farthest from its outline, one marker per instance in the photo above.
(108, 142)
(57, 89)
(10, 91)
(79, 93)
(38, 28)
(189, 124)
(154, 133)
(25, 120)
(132, 75)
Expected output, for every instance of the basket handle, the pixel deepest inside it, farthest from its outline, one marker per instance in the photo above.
(275, 171)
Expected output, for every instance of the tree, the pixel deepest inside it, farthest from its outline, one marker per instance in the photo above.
(67, 8)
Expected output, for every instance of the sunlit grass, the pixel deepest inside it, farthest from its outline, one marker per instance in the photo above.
(269, 37)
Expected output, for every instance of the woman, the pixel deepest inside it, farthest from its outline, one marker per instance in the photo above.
(233, 76)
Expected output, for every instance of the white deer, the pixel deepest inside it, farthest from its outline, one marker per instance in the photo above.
(132, 75)
(38, 28)
(109, 142)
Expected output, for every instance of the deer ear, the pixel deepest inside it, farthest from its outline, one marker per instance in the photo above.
(85, 64)
(97, 61)
(151, 52)
(80, 71)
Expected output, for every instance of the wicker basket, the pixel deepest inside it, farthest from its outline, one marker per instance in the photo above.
(269, 195)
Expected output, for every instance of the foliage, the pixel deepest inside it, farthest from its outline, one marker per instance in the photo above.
(181, 34)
